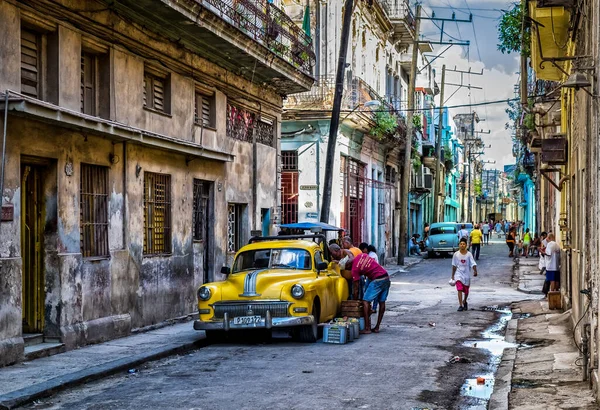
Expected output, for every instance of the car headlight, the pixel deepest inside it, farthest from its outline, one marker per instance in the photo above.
(297, 291)
(203, 293)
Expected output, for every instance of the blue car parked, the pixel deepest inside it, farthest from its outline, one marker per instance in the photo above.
(443, 238)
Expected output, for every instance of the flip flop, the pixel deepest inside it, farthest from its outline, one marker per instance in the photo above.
(374, 330)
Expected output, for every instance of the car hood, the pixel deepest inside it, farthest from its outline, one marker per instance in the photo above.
(262, 283)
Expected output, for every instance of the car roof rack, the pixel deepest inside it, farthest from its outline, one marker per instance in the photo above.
(321, 237)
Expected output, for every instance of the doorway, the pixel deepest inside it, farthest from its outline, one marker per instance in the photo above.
(32, 235)
(202, 228)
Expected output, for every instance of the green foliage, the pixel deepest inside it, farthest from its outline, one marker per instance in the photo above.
(417, 122)
(448, 154)
(385, 125)
(510, 32)
(477, 187)
(416, 162)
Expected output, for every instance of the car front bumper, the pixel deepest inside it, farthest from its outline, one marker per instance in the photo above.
(264, 323)
(442, 249)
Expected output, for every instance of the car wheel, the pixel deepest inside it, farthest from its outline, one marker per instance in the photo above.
(309, 333)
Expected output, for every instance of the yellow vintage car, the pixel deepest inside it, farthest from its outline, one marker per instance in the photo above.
(282, 282)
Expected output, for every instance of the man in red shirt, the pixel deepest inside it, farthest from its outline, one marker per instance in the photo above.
(378, 289)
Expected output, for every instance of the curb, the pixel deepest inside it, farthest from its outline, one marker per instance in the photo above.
(503, 380)
(19, 397)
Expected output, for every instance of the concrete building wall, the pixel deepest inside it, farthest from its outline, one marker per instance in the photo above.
(88, 300)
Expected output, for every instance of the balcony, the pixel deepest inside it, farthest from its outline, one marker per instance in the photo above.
(402, 19)
(251, 38)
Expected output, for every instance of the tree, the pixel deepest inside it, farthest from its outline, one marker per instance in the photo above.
(512, 26)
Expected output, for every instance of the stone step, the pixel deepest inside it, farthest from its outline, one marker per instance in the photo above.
(31, 339)
(43, 350)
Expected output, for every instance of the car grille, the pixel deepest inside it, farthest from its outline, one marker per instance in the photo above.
(234, 309)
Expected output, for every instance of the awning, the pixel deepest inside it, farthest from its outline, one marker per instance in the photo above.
(311, 225)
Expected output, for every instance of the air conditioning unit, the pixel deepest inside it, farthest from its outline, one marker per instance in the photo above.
(428, 181)
(417, 180)
(555, 117)
(554, 150)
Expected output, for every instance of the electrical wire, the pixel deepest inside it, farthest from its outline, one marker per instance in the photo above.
(576, 324)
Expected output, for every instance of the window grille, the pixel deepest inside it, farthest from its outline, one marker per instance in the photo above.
(93, 197)
(240, 123)
(289, 160)
(289, 197)
(381, 213)
(30, 63)
(88, 83)
(200, 214)
(203, 110)
(265, 133)
(157, 213)
(154, 92)
(234, 226)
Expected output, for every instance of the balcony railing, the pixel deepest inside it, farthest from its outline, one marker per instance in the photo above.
(398, 10)
(269, 26)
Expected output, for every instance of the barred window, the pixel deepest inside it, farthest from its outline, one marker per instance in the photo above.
(93, 197)
(381, 213)
(31, 61)
(234, 227)
(289, 160)
(200, 213)
(157, 213)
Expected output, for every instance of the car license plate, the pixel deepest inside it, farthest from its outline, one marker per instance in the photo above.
(442, 242)
(246, 320)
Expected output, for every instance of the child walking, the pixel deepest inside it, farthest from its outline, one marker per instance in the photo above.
(462, 262)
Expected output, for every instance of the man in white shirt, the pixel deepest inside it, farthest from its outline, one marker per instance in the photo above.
(552, 263)
(463, 233)
(485, 229)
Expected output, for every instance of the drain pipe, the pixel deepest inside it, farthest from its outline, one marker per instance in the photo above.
(3, 150)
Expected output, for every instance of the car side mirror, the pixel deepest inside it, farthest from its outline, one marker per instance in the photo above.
(322, 266)
(226, 270)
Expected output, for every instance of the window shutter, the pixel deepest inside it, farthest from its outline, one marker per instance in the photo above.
(205, 111)
(159, 94)
(30, 63)
(88, 73)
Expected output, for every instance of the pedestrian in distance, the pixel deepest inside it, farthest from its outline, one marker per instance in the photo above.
(462, 263)
(485, 230)
(475, 241)
(414, 245)
(462, 233)
(510, 242)
(552, 251)
(526, 242)
(498, 229)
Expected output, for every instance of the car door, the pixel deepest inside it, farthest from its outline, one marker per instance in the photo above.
(327, 281)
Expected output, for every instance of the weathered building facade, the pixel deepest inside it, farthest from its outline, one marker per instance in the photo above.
(141, 150)
(367, 165)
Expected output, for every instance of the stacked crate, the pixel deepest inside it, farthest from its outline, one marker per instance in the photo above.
(352, 308)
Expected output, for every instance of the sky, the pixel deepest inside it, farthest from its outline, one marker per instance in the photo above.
(500, 71)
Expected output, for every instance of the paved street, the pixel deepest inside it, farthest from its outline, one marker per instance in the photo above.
(405, 366)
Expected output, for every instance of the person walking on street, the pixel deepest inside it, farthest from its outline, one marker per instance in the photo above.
(498, 229)
(463, 233)
(462, 263)
(510, 242)
(485, 230)
(553, 263)
(475, 241)
(526, 243)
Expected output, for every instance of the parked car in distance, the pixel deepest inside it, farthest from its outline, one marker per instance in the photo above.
(279, 282)
(443, 238)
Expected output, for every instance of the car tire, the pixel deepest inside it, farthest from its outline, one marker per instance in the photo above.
(309, 333)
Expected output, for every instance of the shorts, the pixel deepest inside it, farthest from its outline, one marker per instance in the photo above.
(377, 290)
(552, 275)
(462, 287)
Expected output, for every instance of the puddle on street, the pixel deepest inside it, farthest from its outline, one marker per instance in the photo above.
(481, 387)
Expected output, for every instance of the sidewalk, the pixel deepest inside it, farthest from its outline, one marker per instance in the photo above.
(27, 381)
(543, 370)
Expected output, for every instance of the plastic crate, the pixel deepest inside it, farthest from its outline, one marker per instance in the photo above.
(335, 333)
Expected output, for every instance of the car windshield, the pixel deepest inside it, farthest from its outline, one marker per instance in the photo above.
(438, 230)
(468, 227)
(273, 258)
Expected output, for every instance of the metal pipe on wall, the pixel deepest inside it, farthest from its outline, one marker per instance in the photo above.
(3, 149)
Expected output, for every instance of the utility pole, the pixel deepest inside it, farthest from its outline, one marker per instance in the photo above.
(335, 114)
(405, 192)
(438, 152)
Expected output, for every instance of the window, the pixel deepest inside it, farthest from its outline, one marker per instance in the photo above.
(93, 197)
(234, 227)
(289, 160)
(200, 215)
(89, 67)
(204, 110)
(156, 92)
(381, 213)
(157, 213)
(31, 69)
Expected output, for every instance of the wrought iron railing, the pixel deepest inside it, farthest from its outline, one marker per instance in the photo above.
(320, 93)
(268, 25)
(398, 10)
(543, 88)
